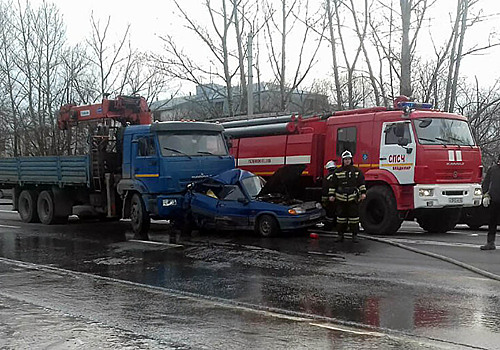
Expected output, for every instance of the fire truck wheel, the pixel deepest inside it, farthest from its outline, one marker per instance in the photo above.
(139, 217)
(27, 207)
(267, 226)
(46, 208)
(438, 220)
(378, 212)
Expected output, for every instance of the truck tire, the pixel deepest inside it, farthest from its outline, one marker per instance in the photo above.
(139, 217)
(46, 208)
(438, 220)
(27, 206)
(379, 213)
(267, 226)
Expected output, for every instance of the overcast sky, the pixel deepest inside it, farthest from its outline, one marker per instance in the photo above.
(149, 18)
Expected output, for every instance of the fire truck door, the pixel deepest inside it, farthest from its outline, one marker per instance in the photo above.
(397, 151)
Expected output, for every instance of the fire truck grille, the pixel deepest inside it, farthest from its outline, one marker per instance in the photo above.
(454, 193)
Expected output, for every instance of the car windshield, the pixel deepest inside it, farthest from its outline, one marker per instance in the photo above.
(191, 143)
(253, 185)
(439, 131)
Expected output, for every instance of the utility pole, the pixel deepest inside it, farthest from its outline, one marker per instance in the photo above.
(250, 77)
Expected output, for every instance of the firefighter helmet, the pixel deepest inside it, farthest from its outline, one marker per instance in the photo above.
(346, 154)
(330, 164)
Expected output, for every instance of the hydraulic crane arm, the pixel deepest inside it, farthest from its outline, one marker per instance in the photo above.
(125, 109)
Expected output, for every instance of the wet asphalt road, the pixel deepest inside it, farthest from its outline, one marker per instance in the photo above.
(89, 285)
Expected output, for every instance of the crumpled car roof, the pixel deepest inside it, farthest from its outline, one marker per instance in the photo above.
(233, 176)
(284, 181)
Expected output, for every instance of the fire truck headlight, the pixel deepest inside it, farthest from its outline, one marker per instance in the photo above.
(478, 192)
(426, 192)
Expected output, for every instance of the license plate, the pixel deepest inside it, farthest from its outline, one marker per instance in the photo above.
(456, 200)
(315, 216)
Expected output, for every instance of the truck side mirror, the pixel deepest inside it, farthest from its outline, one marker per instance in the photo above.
(229, 141)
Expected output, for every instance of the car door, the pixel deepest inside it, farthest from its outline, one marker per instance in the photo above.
(233, 209)
(204, 205)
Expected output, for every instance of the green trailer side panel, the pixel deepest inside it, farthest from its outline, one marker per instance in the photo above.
(51, 170)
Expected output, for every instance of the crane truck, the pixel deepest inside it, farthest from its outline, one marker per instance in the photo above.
(134, 169)
(419, 163)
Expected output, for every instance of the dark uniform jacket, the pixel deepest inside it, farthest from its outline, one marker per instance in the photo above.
(347, 183)
(491, 183)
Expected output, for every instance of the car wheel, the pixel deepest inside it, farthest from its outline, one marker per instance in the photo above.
(139, 217)
(27, 206)
(267, 226)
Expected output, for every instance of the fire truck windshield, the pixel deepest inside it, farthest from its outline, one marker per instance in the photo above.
(191, 143)
(439, 131)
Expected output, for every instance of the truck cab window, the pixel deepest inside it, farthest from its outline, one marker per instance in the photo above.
(146, 147)
(391, 133)
(346, 140)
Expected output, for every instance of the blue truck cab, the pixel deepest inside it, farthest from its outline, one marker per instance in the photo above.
(160, 160)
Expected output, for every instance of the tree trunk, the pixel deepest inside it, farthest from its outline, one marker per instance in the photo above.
(405, 85)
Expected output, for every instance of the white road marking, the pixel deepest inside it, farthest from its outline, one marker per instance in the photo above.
(156, 243)
(8, 226)
(347, 330)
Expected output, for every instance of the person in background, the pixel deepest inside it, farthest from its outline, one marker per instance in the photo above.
(347, 189)
(491, 199)
(329, 207)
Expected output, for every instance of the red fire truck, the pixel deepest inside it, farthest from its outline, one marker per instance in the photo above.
(419, 163)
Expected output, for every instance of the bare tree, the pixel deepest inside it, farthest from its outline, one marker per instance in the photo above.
(108, 58)
(283, 25)
(9, 73)
(333, 46)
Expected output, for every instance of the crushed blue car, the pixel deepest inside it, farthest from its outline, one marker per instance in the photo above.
(240, 200)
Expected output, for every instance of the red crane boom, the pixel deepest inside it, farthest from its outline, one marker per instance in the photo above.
(125, 109)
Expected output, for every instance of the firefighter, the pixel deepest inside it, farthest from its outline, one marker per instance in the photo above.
(347, 188)
(491, 199)
(329, 206)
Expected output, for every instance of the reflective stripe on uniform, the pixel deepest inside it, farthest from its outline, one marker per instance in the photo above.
(353, 220)
(341, 197)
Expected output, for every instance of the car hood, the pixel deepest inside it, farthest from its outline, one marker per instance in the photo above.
(285, 181)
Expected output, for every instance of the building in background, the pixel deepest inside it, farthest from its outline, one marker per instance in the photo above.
(210, 102)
